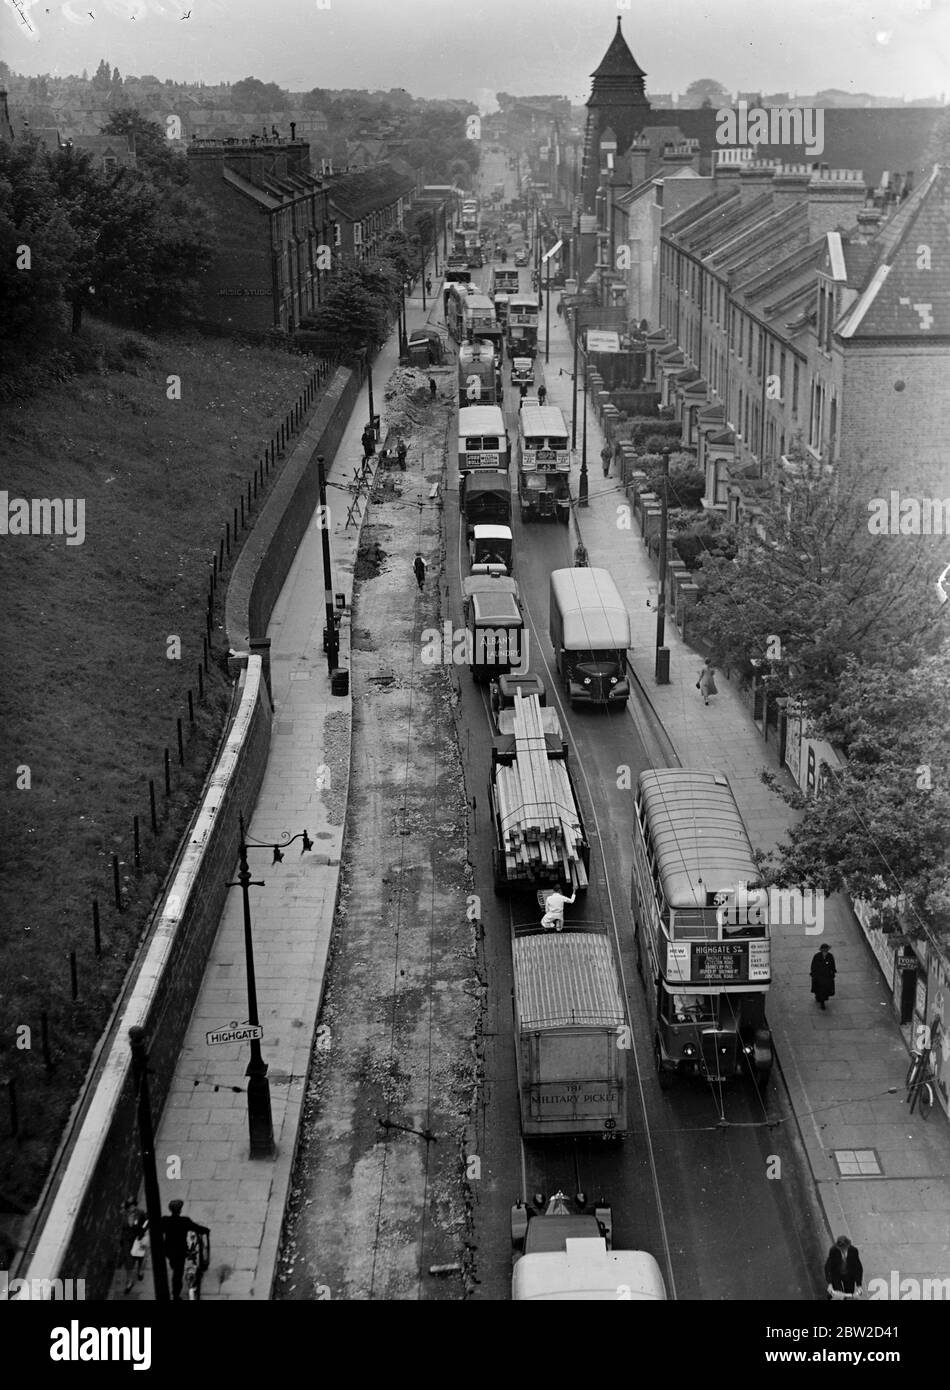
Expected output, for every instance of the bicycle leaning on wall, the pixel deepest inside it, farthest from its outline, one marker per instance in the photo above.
(921, 1074)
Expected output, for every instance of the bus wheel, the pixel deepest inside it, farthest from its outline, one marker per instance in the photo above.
(664, 1077)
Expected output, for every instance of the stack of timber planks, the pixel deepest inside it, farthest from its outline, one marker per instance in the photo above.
(539, 820)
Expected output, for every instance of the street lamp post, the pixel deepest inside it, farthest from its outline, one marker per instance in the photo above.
(547, 312)
(153, 1201)
(661, 670)
(582, 489)
(574, 381)
(369, 384)
(260, 1123)
(333, 641)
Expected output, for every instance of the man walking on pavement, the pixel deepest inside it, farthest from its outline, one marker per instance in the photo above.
(175, 1230)
(369, 442)
(420, 567)
(432, 388)
(542, 394)
(844, 1273)
(605, 457)
(823, 972)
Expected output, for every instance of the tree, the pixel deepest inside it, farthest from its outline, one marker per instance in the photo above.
(817, 581)
(878, 829)
(152, 151)
(102, 80)
(355, 313)
(706, 91)
(30, 216)
(250, 94)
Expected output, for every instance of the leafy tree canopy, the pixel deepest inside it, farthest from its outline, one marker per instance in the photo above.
(811, 576)
(879, 827)
(707, 89)
(250, 94)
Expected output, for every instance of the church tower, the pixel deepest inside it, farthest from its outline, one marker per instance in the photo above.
(618, 104)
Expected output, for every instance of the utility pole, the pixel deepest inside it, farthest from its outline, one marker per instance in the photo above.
(574, 381)
(333, 646)
(662, 665)
(153, 1201)
(582, 490)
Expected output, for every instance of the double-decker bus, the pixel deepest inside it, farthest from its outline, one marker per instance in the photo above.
(702, 929)
(470, 212)
(483, 442)
(522, 325)
(544, 463)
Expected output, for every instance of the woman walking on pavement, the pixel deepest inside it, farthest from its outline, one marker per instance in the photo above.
(823, 972)
(706, 685)
(605, 457)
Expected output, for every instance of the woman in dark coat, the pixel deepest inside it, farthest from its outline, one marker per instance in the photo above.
(844, 1272)
(823, 971)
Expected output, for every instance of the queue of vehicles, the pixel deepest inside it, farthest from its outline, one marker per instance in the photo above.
(701, 925)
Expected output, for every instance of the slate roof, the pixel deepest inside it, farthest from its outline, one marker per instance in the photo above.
(903, 299)
(356, 195)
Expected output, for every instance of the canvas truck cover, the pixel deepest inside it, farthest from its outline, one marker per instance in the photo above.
(586, 1271)
(564, 980)
(593, 614)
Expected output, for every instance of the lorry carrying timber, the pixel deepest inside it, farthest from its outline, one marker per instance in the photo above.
(590, 633)
(571, 1033)
(540, 838)
(560, 1253)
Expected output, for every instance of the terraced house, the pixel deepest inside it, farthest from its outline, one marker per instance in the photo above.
(791, 306)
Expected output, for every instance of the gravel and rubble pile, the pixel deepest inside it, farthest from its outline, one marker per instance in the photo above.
(380, 1190)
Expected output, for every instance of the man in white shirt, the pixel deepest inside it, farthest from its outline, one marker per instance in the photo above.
(554, 910)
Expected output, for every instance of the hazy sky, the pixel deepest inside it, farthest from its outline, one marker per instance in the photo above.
(468, 47)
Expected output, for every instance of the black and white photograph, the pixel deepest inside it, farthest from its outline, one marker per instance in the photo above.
(474, 556)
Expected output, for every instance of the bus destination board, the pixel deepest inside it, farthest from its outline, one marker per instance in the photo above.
(717, 962)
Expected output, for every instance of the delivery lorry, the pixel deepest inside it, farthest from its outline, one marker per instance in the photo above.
(589, 628)
(565, 1251)
(540, 838)
(571, 1033)
(479, 374)
(495, 629)
(485, 499)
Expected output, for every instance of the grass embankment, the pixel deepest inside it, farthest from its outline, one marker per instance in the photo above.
(89, 695)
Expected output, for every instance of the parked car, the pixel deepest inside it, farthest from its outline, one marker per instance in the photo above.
(521, 257)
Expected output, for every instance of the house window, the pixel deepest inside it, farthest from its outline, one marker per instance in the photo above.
(357, 234)
(337, 235)
(781, 376)
(795, 377)
(110, 164)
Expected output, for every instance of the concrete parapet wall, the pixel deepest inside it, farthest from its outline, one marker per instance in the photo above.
(80, 1234)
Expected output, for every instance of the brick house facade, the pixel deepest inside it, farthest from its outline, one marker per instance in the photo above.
(272, 220)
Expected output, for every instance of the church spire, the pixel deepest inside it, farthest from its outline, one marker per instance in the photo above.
(618, 61)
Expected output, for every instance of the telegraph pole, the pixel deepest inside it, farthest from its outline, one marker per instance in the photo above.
(662, 666)
(333, 646)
